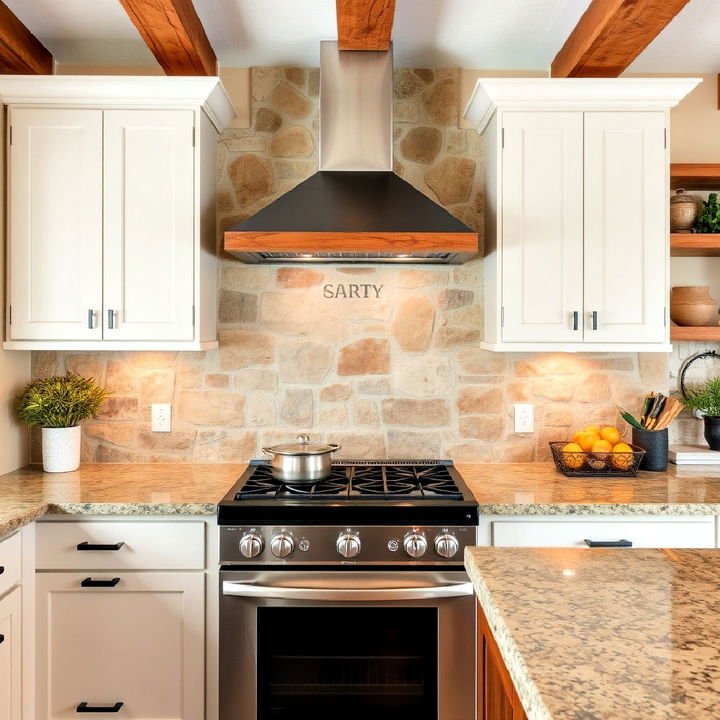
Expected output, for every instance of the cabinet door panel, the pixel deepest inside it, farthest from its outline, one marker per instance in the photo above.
(542, 226)
(626, 234)
(140, 642)
(149, 224)
(10, 656)
(55, 223)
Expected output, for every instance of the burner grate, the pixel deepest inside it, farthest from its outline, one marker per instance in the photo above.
(422, 480)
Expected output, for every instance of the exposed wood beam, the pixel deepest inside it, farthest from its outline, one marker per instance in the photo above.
(364, 24)
(21, 53)
(611, 34)
(173, 32)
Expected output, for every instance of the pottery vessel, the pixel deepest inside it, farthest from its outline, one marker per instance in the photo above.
(691, 305)
(712, 431)
(61, 449)
(683, 211)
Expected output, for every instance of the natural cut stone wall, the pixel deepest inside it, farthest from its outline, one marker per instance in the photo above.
(383, 359)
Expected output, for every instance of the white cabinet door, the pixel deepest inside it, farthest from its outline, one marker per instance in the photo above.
(10, 656)
(625, 226)
(55, 224)
(542, 226)
(139, 643)
(148, 225)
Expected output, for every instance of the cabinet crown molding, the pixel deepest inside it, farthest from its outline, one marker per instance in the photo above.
(491, 94)
(121, 91)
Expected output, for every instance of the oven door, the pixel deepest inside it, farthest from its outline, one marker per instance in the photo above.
(349, 644)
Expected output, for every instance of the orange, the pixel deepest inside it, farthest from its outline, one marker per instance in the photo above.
(611, 434)
(592, 428)
(602, 446)
(573, 457)
(620, 457)
(586, 439)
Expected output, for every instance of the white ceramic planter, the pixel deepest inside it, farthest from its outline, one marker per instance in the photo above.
(61, 449)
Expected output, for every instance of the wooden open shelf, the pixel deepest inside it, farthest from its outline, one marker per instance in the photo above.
(707, 334)
(694, 245)
(695, 176)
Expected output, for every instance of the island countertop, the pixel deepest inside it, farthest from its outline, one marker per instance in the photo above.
(605, 634)
(500, 489)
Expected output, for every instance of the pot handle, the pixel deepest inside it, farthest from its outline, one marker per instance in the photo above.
(335, 447)
(267, 451)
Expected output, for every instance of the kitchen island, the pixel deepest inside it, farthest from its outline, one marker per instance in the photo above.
(500, 489)
(605, 634)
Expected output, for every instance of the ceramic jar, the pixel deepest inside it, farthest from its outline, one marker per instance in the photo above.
(691, 305)
(61, 449)
(683, 212)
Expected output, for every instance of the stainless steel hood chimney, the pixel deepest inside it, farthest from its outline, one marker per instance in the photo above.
(354, 209)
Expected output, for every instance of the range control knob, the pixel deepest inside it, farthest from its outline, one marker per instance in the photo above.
(446, 545)
(251, 545)
(415, 545)
(282, 545)
(348, 545)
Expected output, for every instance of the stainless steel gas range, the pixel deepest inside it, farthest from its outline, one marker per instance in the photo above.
(348, 596)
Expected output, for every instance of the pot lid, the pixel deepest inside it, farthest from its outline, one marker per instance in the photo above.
(303, 446)
(681, 196)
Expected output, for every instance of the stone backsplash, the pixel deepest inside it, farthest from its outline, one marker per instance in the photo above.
(384, 360)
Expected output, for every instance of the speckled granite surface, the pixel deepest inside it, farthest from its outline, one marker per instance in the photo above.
(109, 489)
(510, 489)
(605, 634)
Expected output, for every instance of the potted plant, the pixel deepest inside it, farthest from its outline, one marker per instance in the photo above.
(58, 405)
(706, 400)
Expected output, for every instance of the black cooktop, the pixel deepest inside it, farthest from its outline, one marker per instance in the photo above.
(362, 492)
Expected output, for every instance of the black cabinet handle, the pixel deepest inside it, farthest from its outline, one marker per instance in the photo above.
(84, 707)
(2, 638)
(89, 582)
(2, 569)
(576, 319)
(594, 319)
(93, 546)
(608, 543)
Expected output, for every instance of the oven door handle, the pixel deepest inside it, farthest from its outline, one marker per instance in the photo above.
(347, 594)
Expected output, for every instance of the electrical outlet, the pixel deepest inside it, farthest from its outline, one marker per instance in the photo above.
(161, 417)
(524, 418)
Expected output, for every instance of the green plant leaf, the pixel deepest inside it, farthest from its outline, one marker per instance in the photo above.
(630, 419)
(706, 399)
(708, 220)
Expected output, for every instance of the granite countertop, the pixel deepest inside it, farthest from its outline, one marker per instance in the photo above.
(605, 634)
(501, 489)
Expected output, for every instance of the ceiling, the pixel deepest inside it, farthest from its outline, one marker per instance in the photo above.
(479, 34)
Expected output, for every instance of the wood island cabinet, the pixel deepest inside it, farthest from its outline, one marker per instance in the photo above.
(497, 697)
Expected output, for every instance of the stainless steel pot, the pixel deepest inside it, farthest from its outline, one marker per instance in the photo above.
(301, 463)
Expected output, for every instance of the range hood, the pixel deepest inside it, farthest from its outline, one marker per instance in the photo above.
(354, 209)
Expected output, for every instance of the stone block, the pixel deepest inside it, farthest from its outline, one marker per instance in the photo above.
(239, 448)
(335, 392)
(219, 381)
(251, 143)
(421, 144)
(87, 365)
(294, 277)
(413, 324)
(365, 412)
(287, 99)
(421, 278)
(470, 452)
(251, 177)
(451, 179)
(369, 356)
(251, 379)
(416, 413)
(480, 400)
(406, 84)
(117, 433)
(414, 443)
(305, 362)
(553, 388)
(313, 84)
(44, 364)
(449, 337)
(199, 407)
(441, 101)
(488, 428)
(297, 407)
(245, 278)
(358, 444)
(452, 298)
(333, 416)
(427, 75)
(166, 442)
(373, 387)
(237, 307)
(293, 169)
(476, 361)
(157, 387)
(292, 142)
(263, 81)
(114, 454)
(593, 387)
(118, 407)
(558, 417)
(119, 378)
(405, 112)
(267, 120)
(424, 376)
(295, 75)
(260, 410)
(243, 348)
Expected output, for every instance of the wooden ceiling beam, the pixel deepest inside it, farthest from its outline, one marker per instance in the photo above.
(611, 34)
(21, 53)
(173, 32)
(364, 24)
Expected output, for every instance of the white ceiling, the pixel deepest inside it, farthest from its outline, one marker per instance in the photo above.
(479, 34)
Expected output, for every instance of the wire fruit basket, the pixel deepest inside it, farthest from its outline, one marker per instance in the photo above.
(603, 464)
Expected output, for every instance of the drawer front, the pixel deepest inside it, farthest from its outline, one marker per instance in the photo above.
(98, 545)
(10, 563)
(665, 533)
(10, 656)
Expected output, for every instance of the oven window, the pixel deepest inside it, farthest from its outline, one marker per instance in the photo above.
(369, 663)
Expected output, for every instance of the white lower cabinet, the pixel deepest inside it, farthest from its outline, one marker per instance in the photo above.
(10, 656)
(573, 531)
(135, 638)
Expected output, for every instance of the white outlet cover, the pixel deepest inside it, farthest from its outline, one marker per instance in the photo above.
(524, 418)
(161, 417)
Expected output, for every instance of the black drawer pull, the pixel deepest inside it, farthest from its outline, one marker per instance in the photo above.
(608, 543)
(89, 582)
(2, 569)
(84, 707)
(89, 546)
(2, 638)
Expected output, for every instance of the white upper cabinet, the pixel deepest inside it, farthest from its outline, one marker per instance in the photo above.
(576, 234)
(109, 241)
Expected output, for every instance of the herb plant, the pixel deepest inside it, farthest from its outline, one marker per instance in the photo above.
(708, 220)
(61, 401)
(705, 399)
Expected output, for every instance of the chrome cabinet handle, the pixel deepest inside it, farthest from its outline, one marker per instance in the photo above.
(91, 319)
(111, 319)
(350, 594)
(594, 319)
(576, 319)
